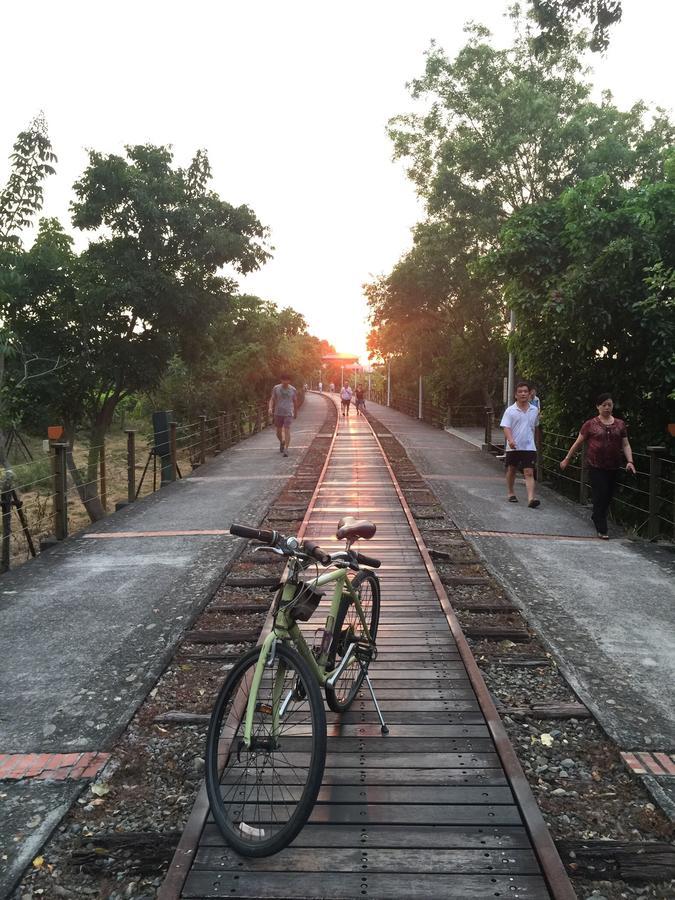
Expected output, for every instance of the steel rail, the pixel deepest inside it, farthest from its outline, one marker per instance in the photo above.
(181, 863)
(552, 871)
(552, 867)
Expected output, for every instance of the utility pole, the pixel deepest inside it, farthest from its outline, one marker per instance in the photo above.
(388, 382)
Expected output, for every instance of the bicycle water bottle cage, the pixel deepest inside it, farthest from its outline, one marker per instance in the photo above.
(351, 529)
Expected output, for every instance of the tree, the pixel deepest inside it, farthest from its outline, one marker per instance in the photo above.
(591, 275)
(500, 130)
(147, 287)
(244, 351)
(22, 197)
(556, 19)
(20, 201)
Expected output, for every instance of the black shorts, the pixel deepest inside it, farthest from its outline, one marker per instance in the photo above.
(521, 459)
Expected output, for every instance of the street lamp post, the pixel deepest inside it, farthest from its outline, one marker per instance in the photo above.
(388, 382)
(512, 364)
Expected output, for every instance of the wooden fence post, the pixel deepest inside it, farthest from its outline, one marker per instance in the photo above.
(653, 528)
(131, 465)
(60, 502)
(583, 476)
(221, 431)
(202, 440)
(173, 451)
(6, 504)
(103, 477)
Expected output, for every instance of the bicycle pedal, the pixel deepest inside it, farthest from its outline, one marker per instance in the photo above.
(365, 652)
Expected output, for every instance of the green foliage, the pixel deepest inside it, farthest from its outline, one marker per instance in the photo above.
(591, 275)
(243, 353)
(557, 19)
(21, 198)
(497, 133)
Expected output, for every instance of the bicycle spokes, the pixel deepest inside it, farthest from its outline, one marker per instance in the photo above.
(265, 784)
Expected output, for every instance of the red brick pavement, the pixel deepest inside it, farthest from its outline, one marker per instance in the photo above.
(51, 766)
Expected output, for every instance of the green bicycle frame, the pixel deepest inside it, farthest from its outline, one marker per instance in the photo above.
(285, 628)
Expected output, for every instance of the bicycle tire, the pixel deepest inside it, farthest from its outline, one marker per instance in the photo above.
(260, 818)
(340, 696)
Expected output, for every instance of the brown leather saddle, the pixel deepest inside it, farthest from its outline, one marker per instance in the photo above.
(352, 529)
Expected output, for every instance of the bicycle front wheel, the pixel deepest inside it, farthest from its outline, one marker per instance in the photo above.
(349, 628)
(262, 795)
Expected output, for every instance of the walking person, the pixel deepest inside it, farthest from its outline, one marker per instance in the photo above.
(346, 398)
(283, 407)
(321, 387)
(360, 399)
(520, 421)
(534, 400)
(606, 446)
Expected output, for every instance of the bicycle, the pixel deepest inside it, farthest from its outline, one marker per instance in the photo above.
(266, 743)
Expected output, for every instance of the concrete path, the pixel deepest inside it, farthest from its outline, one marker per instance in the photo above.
(87, 628)
(607, 609)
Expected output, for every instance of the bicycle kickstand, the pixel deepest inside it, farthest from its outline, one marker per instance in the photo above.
(383, 725)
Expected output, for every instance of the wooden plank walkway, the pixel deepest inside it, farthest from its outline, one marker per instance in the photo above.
(425, 811)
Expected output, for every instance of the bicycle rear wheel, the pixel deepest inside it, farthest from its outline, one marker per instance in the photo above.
(348, 628)
(261, 797)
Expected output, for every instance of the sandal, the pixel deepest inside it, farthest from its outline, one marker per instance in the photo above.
(512, 498)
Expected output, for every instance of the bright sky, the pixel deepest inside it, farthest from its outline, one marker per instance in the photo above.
(289, 97)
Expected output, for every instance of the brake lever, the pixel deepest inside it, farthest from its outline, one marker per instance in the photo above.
(275, 550)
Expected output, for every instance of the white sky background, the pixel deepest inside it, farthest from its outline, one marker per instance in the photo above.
(290, 99)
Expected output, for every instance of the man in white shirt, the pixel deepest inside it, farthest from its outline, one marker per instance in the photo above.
(520, 422)
(346, 398)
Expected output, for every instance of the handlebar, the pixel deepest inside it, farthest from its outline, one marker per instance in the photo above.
(257, 534)
(291, 547)
(312, 549)
(368, 561)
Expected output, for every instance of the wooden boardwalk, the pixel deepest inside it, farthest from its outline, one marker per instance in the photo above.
(427, 811)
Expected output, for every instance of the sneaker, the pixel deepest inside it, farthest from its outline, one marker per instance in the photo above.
(603, 536)
(533, 504)
(281, 446)
(512, 498)
(285, 452)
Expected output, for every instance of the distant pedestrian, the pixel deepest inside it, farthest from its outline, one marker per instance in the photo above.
(346, 398)
(534, 400)
(520, 421)
(321, 387)
(332, 387)
(360, 399)
(607, 445)
(283, 407)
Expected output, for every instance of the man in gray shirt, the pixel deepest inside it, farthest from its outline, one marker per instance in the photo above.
(283, 408)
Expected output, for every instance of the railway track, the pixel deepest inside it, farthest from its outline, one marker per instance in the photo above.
(440, 806)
